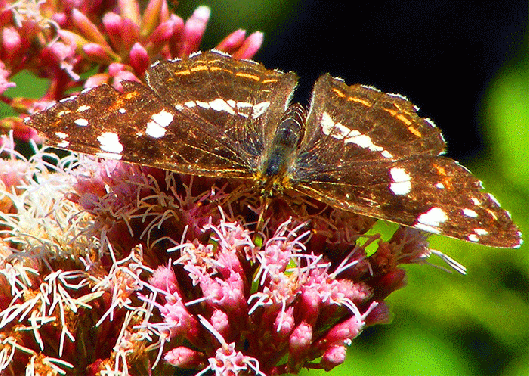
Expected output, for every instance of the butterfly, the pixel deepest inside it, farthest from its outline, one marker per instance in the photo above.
(354, 148)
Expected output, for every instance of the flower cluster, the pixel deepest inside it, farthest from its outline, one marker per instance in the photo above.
(108, 268)
(117, 269)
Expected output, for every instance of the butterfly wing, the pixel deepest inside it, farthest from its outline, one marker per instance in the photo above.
(214, 121)
(370, 153)
(235, 107)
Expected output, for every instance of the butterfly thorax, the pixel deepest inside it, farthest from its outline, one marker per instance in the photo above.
(273, 174)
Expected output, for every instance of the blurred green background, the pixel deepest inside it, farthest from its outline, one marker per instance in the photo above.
(443, 324)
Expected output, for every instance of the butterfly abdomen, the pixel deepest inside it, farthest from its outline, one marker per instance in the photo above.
(285, 142)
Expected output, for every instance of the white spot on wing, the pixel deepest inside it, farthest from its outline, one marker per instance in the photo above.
(159, 121)
(401, 184)
(61, 135)
(244, 109)
(81, 122)
(387, 154)
(477, 233)
(154, 130)
(203, 104)
(110, 143)
(470, 213)
(83, 107)
(431, 220)
(341, 132)
(220, 104)
(163, 118)
(63, 143)
(327, 124)
(259, 109)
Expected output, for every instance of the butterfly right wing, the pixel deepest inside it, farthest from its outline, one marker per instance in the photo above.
(371, 153)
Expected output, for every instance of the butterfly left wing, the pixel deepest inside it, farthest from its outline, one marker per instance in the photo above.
(370, 153)
(205, 115)
(106, 123)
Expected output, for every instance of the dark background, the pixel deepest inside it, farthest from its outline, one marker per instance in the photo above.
(439, 54)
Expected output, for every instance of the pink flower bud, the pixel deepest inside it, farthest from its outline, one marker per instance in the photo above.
(219, 320)
(333, 357)
(164, 279)
(194, 30)
(284, 324)
(300, 340)
(96, 80)
(342, 332)
(87, 28)
(184, 357)
(250, 46)
(130, 9)
(112, 24)
(151, 16)
(130, 34)
(162, 33)
(11, 43)
(96, 53)
(232, 42)
(139, 59)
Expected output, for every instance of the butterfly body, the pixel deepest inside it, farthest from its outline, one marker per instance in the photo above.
(278, 163)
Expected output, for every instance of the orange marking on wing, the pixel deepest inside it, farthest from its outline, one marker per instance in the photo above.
(447, 180)
(339, 93)
(199, 68)
(415, 131)
(359, 100)
(183, 72)
(248, 75)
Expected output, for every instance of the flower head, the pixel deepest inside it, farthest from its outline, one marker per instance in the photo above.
(153, 263)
